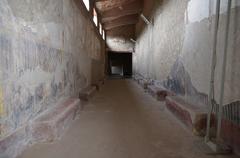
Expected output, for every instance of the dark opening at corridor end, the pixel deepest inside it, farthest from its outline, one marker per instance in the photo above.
(120, 64)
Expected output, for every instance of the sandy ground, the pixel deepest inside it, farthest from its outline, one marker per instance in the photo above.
(122, 121)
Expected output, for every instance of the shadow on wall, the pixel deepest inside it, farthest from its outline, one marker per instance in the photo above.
(179, 82)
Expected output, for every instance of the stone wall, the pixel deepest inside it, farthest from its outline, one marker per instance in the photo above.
(177, 49)
(47, 49)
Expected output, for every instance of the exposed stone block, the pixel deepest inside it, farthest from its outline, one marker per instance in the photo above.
(192, 116)
(51, 125)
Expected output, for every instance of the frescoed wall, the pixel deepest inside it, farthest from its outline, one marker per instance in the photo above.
(177, 48)
(46, 53)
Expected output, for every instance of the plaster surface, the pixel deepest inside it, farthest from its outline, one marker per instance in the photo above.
(177, 49)
(47, 50)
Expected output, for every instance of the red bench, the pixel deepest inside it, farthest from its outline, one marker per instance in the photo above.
(13, 144)
(194, 117)
(46, 127)
(51, 125)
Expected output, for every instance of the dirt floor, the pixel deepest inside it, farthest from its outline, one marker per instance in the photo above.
(122, 121)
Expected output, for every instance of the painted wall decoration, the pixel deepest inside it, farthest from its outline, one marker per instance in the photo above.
(41, 58)
(177, 49)
(38, 75)
(179, 82)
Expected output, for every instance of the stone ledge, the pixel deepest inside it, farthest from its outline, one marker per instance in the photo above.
(193, 117)
(87, 93)
(51, 125)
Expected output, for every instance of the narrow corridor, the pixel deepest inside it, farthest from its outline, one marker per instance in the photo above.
(173, 87)
(122, 121)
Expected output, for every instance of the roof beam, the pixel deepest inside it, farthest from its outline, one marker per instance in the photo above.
(126, 20)
(127, 31)
(105, 5)
(115, 13)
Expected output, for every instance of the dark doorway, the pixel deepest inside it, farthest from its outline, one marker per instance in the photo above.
(120, 64)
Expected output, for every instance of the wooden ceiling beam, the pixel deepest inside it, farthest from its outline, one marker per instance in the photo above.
(129, 9)
(126, 20)
(105, 5)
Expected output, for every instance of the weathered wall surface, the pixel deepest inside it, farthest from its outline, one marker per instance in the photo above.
(46, 53)
(120, 44)
(177, 49)
(118, 39)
